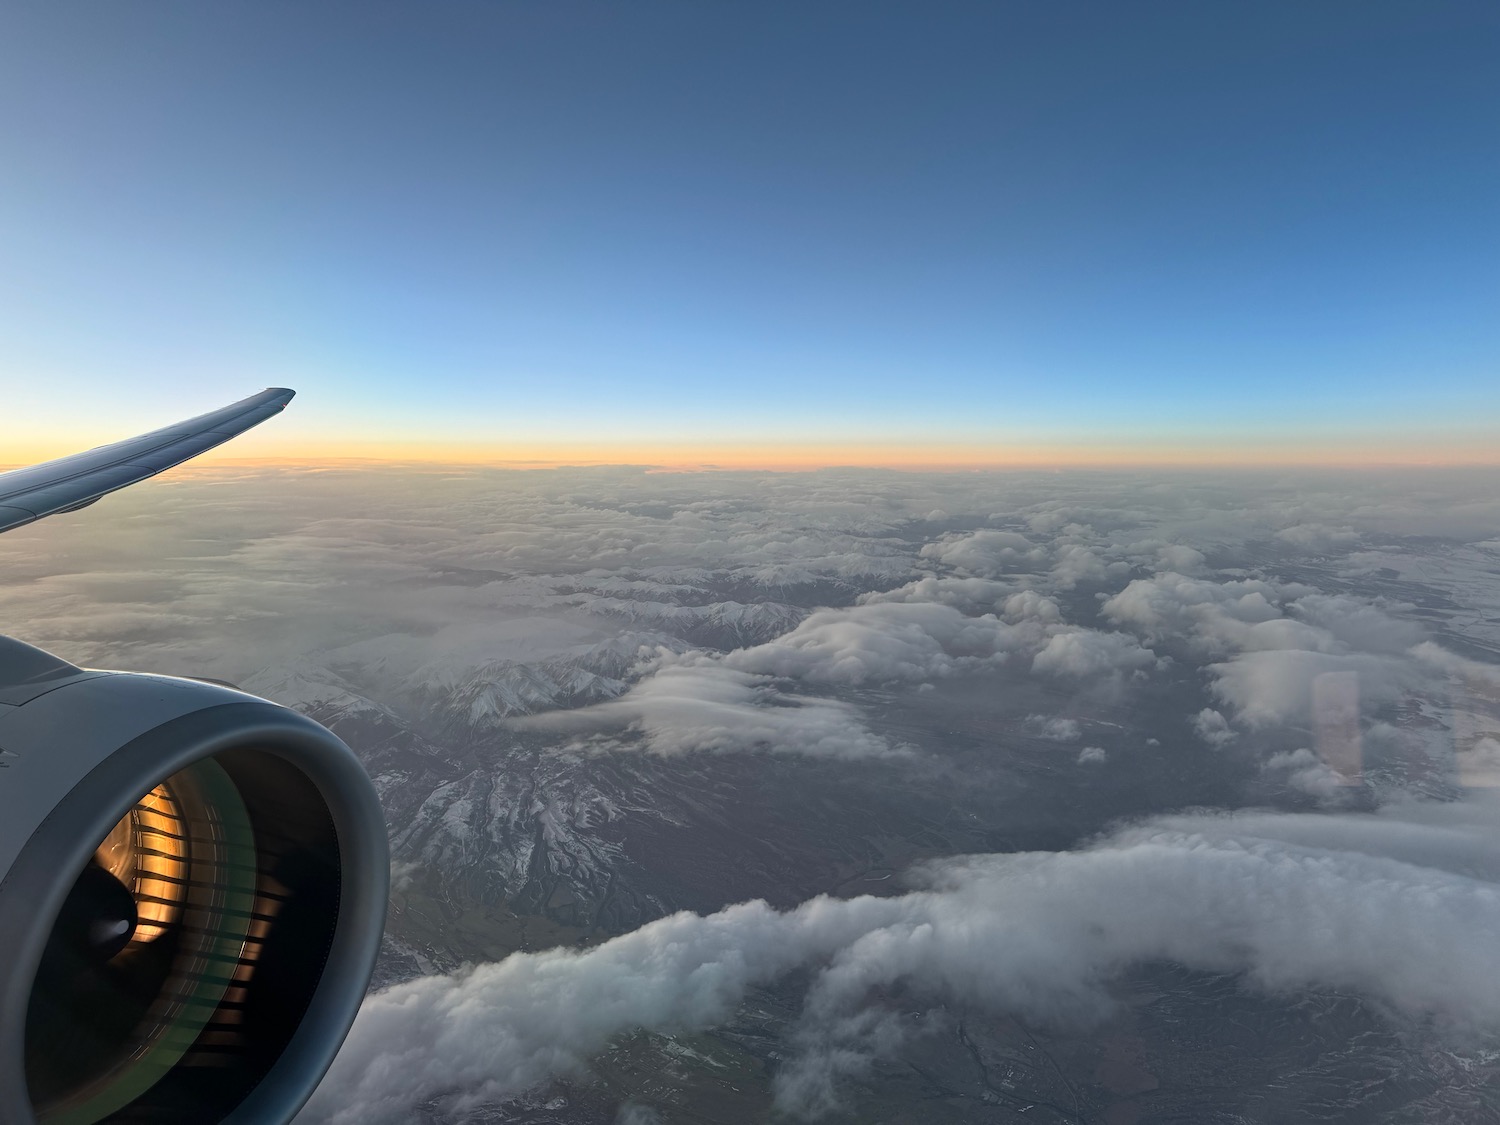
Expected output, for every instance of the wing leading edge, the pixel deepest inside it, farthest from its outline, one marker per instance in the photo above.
(75, 482)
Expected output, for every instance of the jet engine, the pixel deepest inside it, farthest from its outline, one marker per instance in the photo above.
(193, 885)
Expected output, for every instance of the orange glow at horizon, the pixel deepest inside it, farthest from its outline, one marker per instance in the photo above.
(270, 446)
(264, 448)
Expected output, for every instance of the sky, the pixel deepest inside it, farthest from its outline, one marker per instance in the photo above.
(778, 234)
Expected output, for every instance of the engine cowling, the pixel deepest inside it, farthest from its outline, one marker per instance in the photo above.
(193, 885)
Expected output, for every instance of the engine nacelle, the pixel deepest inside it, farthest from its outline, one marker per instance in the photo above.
(193, 886)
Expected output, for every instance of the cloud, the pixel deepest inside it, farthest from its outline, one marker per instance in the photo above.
(970, 595)
(1436, 656)
(1181, 558)
(987, 552)
(396, 575)
(696, 703)
(1091, 755)
(1358, 624)
(887, 641)
(1318, 538)
(730, 702)
(1077, 564)
(1277, 686)
(1479, 764)
(1055, 729)
(702, 701)
(1030, 604)
(1305, 771)
(1088, 652)
(1278, 638)
(1212, 727)
(273, 566)
(1219, 616)
(1285, 901)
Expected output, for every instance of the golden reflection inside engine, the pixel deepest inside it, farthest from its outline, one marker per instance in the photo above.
(147, 851)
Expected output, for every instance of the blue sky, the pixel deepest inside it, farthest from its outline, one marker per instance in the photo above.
(491, 223)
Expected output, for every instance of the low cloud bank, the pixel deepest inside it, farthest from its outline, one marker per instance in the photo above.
(732, 701)
(1267, 643)
(696, 703)
(1399, 907)
(502, 592)
(887, 641)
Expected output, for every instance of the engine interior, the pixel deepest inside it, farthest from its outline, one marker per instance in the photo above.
(188, 949)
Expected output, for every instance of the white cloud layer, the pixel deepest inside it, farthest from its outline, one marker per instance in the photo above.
(1212, 727)
(728, 702)
(880, 642)
(1400, 908)
(700, 704)
(1088, 652)
(1272, 641)
(1305, 771)
(971, 595)
(1054, 728)
(987, 552)
(1318, 538)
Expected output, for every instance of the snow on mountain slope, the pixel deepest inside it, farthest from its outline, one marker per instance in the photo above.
(466, 701)
(538, 832)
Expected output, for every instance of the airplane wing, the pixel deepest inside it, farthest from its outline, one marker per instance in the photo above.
(70, 483)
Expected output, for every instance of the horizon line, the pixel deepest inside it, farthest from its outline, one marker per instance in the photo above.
(276, 450)
(207, 463)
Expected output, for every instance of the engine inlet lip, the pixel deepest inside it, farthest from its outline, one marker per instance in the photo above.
(33, 891)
